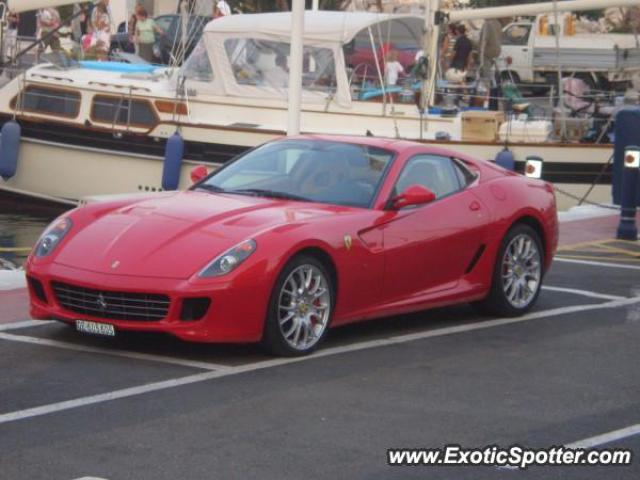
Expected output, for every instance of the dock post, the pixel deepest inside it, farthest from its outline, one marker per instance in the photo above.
(627, 229)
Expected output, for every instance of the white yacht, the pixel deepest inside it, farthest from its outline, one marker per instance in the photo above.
(101, 128)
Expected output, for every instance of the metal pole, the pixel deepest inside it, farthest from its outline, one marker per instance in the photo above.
(295, 67)
(627, 229)
(430, 48)
(184, 20)
(536, 8)
(3, 25)
(315, 5)
(563, 119)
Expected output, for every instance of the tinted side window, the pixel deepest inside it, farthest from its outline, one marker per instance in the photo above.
(123, 111)
(465, 176)
(436, 173)
(516, 35)
(63, 103)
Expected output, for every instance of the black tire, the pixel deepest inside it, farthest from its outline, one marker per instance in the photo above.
(497, 301)
(273, 339)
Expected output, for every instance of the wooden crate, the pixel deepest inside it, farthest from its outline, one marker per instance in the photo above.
(576, 128)
(481, 126)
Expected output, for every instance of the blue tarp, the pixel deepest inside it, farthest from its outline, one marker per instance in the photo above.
(118, 67)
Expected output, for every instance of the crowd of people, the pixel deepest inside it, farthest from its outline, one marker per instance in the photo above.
(91, 26)
(457, 56)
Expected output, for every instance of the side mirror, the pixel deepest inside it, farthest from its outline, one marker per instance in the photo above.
(413, 195)
(198, 173)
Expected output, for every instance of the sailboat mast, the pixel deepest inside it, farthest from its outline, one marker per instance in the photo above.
(295, 67)
(536, 8)
(430, 49)
(563, 120)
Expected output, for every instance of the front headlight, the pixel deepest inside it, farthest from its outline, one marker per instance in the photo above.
(229, 260)
(52, 236)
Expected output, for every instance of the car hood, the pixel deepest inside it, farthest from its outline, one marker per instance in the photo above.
(176, 236)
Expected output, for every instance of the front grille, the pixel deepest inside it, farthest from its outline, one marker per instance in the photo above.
(114, 305)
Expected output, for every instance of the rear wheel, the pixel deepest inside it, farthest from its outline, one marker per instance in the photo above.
(517, 274)
(300, 308)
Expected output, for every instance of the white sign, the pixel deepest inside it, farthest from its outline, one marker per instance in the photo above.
(632, 158)
(533, 168)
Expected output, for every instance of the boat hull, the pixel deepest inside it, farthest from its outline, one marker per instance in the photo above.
(67, 172)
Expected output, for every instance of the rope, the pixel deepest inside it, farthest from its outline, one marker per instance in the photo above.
(582, 200)
(7, 265)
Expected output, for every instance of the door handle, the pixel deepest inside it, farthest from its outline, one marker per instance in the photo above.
(474, 206)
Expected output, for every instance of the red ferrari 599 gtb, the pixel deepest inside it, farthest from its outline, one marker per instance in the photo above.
(297, 235)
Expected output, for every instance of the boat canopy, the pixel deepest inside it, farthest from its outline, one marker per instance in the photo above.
(322, 26)
(250, 52)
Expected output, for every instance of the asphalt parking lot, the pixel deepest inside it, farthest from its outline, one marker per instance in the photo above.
(150, 407)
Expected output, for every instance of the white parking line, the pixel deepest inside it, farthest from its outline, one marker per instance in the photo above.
(584, 293)
(111, 352)
(24, 324)
(608, 437)
(201, 377)
(596, 264)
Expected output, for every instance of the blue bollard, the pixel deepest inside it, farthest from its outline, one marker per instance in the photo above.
(174, 151)
(505, 159)
(627, 229)
(627, 133)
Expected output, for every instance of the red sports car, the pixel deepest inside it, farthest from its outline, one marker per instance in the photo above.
(297, 235)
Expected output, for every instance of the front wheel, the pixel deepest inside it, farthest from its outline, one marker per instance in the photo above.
(300, 308)
(517, 274)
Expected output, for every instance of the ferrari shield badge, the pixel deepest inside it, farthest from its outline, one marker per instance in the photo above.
(348, 242)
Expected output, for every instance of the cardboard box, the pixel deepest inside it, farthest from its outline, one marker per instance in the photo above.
(576, 128)
(523, 131)
(481, 126)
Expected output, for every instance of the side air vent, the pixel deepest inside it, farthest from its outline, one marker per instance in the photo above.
(476, 258)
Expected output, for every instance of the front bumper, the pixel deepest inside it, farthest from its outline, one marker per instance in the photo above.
(236, 312)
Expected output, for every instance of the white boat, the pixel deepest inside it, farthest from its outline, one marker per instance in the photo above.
(94, 129)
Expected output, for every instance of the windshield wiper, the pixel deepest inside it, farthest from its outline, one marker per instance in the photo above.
(259, 192)
(211, 188)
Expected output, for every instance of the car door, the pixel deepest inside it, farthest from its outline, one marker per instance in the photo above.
(430, 247)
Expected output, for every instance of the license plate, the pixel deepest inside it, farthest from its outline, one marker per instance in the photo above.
(95, 328)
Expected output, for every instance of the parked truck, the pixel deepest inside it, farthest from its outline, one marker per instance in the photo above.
(602, 60)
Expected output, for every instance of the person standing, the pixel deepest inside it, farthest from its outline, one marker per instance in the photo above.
(461, 50)
(13, 20)
(11, 42)
(392, 68)
(221, 9)
(447, 46)
(48, 21)
(457, 72)
(101, 29)
(145, 37)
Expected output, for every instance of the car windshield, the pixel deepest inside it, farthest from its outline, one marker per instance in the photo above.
(307, 170)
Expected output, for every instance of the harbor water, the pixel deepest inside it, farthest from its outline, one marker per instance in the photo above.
(20, 227)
